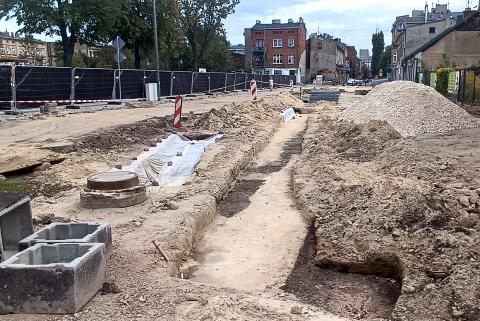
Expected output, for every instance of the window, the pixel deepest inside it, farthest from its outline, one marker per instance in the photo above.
(277, 43)
(278, 72)
(14, 51)
(319, 45)
(291, 43)
(291, 59)
(293, 72)
(277, 59)
(267, 72)
(432, 30)
(260, 43)
(394, 57)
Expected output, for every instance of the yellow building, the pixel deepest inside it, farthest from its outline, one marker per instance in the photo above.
(23, 50)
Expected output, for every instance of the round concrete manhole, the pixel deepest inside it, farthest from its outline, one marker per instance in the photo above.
(111, 181)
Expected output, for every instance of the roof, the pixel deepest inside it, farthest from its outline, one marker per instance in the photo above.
(237, 47)
(442, 35)
(291, 25)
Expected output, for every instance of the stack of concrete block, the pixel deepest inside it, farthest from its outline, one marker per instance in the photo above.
(58, 269)
(15, 222)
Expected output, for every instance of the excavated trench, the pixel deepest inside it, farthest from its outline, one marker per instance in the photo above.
(260, 241)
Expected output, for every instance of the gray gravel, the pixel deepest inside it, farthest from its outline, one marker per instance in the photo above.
(412, 109)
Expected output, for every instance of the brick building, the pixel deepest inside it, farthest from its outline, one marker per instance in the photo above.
(353, 62)
(277, 48)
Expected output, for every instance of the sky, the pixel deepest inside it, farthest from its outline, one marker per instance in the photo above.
(354, 21)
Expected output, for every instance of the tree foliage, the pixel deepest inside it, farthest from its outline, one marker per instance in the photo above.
(85, 21)
(385, 59)
(378, 43)
(201, 21)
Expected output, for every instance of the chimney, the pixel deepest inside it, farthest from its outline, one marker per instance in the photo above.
(300, 20)
(426, 12)
(258, 22)
(290, 20)
(276, 21)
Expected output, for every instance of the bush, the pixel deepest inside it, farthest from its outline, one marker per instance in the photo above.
(442, 80)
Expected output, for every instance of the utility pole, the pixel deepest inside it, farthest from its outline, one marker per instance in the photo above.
(157, 61)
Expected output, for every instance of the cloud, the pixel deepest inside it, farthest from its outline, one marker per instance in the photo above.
(352, 20)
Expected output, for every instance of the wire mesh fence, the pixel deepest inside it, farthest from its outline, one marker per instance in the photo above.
(35, 86)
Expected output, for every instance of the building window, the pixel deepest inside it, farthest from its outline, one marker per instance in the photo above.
(277, 59)
(395, 56)
(260, 43)
(277, 43)
(432, 30)
(293, 72)
(319, 45)
(14, 51)
(291, 59)
(278, 72)
(291, 43)
(267, 72)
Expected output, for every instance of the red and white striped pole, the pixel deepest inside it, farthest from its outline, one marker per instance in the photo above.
(177, 117)
(253, 90)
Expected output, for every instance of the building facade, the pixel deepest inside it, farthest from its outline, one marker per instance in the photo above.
(327, 57)
(411, 32)
(353, 62)
(277, 48)
(459, 45)
(23, 50)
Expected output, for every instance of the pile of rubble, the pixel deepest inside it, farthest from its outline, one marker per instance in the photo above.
(412, 109)
(387, 206)
(245, 114)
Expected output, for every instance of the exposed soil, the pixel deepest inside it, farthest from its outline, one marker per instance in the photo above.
(396, 207)
(350, 295)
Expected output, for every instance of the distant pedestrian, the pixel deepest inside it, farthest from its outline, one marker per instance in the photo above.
(291, 83)
(271, 83)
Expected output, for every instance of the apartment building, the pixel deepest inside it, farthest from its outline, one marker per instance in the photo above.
(409, 33)
(23, 50)
(277, 48)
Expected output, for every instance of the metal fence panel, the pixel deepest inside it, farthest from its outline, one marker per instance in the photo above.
(165, 79)
(200, 82)
(182, 82)
(93, 84)
(230, 82)
(217, 82)
(241, 81)
(5, 87)
(34, 85)
(133, 84)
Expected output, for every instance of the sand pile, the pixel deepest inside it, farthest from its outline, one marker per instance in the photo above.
(411, 109)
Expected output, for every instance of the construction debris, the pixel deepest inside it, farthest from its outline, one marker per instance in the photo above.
(412, 109)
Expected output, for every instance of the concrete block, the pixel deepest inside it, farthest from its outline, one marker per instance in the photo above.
(71, 233)
(15, 222)
(52, 278)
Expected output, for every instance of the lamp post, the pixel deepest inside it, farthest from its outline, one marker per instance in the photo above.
(155, 32)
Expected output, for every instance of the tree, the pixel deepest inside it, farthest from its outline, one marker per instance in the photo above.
(201, 21)
(385, 59)
(378, 42)
(85, 21)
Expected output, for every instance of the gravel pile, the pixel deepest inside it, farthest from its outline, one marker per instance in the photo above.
(411, 108)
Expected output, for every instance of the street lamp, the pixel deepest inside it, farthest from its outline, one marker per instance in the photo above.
(155, 32)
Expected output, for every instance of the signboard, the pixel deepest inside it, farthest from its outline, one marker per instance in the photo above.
(118, 43)
(202, 69)
(120, 57)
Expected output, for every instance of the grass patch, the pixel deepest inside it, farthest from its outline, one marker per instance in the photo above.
(13, 186)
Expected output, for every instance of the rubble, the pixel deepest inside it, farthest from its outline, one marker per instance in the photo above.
(411, 109)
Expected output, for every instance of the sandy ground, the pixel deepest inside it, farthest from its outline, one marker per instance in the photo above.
(25, 139)
(256, 249)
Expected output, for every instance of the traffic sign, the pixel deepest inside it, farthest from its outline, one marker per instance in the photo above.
(118, 43)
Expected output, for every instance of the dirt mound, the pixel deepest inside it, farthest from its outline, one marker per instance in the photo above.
(411, 109)
(398, 211)
(245, 114)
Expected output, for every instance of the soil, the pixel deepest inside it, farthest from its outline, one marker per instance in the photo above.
(401, 208)
(349, 295)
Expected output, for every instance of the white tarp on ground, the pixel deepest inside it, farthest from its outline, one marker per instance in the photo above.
(288, 114)
(184, 155)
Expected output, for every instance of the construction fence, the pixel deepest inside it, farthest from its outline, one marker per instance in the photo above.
(27, 87)
(463, 85)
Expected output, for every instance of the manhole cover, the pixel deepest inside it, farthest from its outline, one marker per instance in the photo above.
(111, 181)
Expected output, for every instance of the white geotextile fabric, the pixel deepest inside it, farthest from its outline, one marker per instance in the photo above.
(288, 114)
(184, 154)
